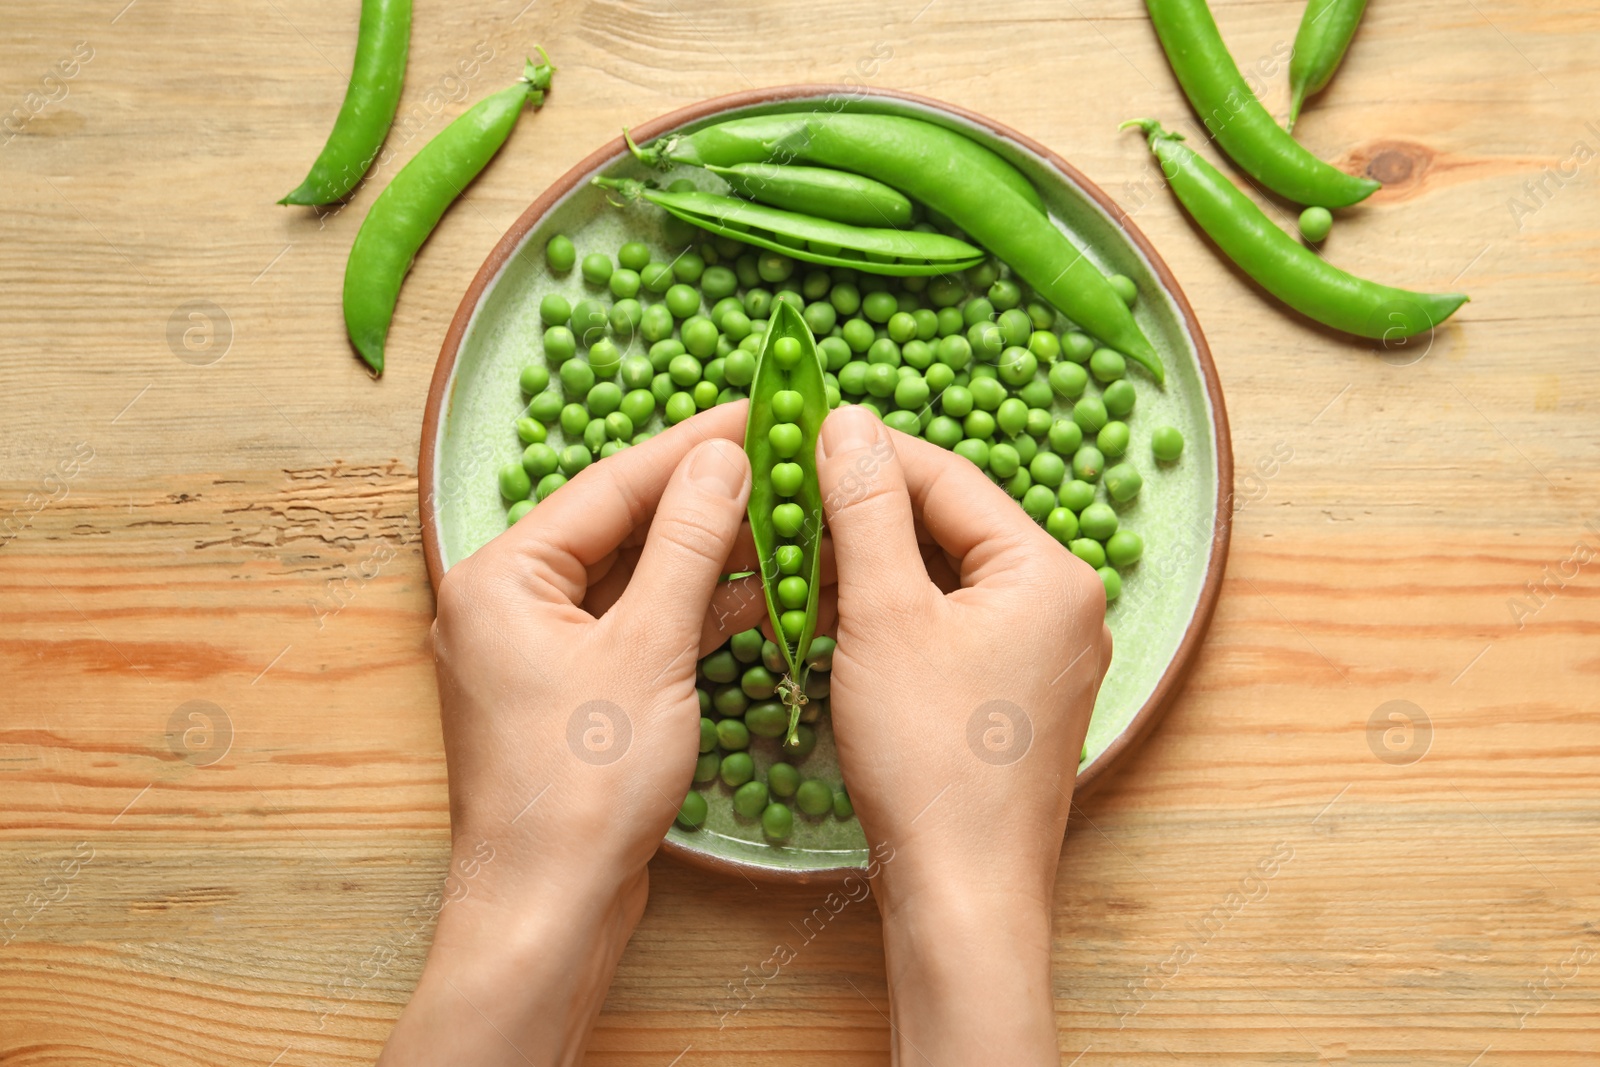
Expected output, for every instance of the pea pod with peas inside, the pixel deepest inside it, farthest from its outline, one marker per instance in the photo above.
(979, 192)
(1232, 114)
(875, 250)
(411, 205)
(1319, 45)
(369, 105)
(1280, 264)
(788, 401)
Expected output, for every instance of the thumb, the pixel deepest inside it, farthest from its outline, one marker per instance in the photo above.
(868, 510)
(691, 536)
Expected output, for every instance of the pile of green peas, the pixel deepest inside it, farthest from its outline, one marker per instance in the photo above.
(973, 363)
(741, 719)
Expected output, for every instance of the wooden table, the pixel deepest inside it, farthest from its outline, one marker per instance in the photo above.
(211, 502)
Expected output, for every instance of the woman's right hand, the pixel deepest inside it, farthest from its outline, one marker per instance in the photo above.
(965, 673)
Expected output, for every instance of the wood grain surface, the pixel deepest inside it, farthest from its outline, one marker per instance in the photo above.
(1283, 875)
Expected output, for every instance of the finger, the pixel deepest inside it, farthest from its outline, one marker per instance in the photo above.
(606, 586)
(589, 517)
(736, 606)
(691, 534)
(869, 513)
(970, 517)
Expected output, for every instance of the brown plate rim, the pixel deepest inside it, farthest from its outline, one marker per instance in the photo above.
(1145, 719)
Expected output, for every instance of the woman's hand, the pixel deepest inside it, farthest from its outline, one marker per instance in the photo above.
(570, 739)
(965, 673)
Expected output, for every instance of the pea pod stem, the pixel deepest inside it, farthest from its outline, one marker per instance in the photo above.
(1280, 264)
(1319, 46)
(370, 101)
(990, 200)
(1235, 118)
(871, 249)
(412, 204)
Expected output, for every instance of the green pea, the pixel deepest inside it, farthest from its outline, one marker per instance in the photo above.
(706, 767)
(858, 334)
(774, 266)
(816, 284)
(603, 398)
(853, 377)
(1076, 347)
(679, 406)
(1107, 365)
(708, 734)
(718, 282)
(1166, 442)
(845, 298)
(814, 797)
(904, 421)
(689, 267)
(1003, 460)
(611, 448)
(1048, 469)
(516, 511)
(692, 812)
(787, 404)
(750, 799)
(956, 401)
(514, 482)
(1068, 379)
(1011, 416)
(661, 388)
(787, 479)
(682, 300)
(594, 437)
(1005, 294)
(911, 392)
(729, 700)
(944, 432)
(772, 659)
(704, 395)
(1098, 521)
(1015, 326)
(559, 344)
(951, 324)
(554, 309)
(1089, 413)
(738, 768)
(819, 657)
(1039, 422)
(1123, 482)
(539, 459)
(885, 351)
(656, 323)
(656, 276)
(605, 359)
(881, 379)
(842, 808)
(1044, 345)
(663, 351)
(975, 450)
(786, 352)
(746, 646)
(1112, 581)
(1088, 550)
(1076, 495)
(1087, 463)
(560, 253)
(954, 352)
(1315, 222)
(777, 821)
(549, 484)
(926, 322)
(792, 593)
(1026, 448)
(1124, 287)
(1124, 548)
(767, 719)
(1019, 483)
(918, 354)
(793, 624)
(574, 419)
(979, 424)
(834, 352)
(546, 407)
(757, 303)
(1113, 438)
(1119, 398)
(733, 735)
(1039, 501)
(634, 255)
(1061, 524)
(758, 683)
(879, 307)
(976, 310)
(619, 427)
(575, 458)
(987, 341)
(800, 745)
(788, 519)
(987, 394)
(684, 370)
(789, 559)
(531, 431)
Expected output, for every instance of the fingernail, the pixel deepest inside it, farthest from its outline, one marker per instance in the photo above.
(848, 429)
(718, 467)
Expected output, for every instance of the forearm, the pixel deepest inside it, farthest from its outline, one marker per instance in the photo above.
(516, 985)
(969, 978)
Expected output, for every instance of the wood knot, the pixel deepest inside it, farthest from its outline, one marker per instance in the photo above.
(1400, 165)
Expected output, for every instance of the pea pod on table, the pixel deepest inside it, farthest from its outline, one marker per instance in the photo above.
(990, 200)
(1319, 45)
(411, 205)
(1232, 114)
(820, 191)
(369, 105)
(837, 244)
(788, 401)
(1280, 264)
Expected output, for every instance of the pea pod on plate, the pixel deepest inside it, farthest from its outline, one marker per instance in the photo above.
(988, 198)
(1280, 264)
(1319, 45)
(411, 205)
(872, 249)
(828, 194)
(788, 401)
(1232, 114)
(369, 105)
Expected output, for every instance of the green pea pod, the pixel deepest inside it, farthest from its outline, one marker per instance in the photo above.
(1319, 46)
(767, 139)
(827, 194)
(874, 250)
(411, 205)
(805, 378)
(1283, 266)
(1231, 112)
(952, 175)
(369, 104)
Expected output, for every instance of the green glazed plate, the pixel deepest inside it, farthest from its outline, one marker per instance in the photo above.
(1184, 515)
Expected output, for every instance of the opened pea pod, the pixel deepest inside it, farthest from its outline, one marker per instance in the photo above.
(788, 401)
